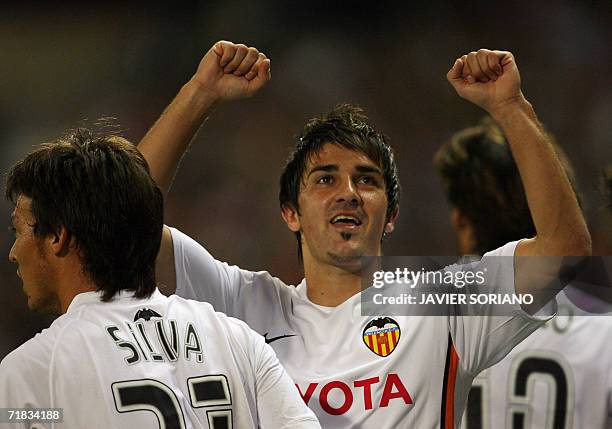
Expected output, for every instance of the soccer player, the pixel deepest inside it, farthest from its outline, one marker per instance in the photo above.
(87, 221)
(561, 375)
(339, 196)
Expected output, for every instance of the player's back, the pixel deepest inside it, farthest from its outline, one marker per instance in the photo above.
(558, 377)
(159, 362)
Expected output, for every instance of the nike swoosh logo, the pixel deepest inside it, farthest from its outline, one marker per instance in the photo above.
(269, 340)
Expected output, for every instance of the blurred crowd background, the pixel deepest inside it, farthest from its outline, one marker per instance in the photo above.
(65, 65)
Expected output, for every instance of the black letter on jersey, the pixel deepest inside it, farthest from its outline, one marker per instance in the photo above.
(124, 344)
(192, 344)
(155, 356)
(170, 347)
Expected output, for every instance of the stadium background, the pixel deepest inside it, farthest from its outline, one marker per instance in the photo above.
(64, 64)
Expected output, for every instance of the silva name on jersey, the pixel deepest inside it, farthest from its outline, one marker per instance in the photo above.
(152, 338)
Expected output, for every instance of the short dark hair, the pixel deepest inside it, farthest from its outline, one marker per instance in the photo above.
(347, 126)
(481, 179)
(97, 187)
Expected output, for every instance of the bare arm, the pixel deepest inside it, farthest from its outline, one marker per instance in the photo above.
(227, 72)
(491, 80)
(165, 272)
(165, 143)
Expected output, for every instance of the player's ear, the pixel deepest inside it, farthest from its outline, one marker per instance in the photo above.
(60, 241)
(458, 219)
(291, 217)
(390, 225)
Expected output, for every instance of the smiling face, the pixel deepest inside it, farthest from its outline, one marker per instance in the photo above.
(31, 256)
(342, 208)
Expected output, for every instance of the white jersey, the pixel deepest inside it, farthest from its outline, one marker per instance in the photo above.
(560, 377)
(151, 363)
(421, 377)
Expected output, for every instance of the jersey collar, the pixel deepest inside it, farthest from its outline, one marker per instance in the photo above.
(302, 291)
(86, 298)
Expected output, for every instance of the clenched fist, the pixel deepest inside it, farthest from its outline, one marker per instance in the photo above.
(489, 79)
(232, 71)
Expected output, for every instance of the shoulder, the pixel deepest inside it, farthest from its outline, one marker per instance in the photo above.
(205, 313)
(507, 249)
(26, 368)
(179, 306)
(264, 278)
(32, 356)
(185, 248)
(38, 350)
(21, 370)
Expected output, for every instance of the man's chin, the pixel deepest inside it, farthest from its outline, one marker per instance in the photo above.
(352, 261)
(352, 249)
(49, 306)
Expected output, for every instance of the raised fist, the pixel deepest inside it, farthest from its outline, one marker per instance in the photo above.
(232, 71)
(489, 79)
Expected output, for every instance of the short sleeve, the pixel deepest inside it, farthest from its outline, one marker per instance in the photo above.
(279, 404)
(24, 381)
(201, 277)
(484, 339)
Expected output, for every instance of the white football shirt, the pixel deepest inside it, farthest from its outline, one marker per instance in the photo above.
(151, 363)
(420, 378)
(560, 377)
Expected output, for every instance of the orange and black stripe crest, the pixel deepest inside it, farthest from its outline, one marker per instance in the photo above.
(382, 335)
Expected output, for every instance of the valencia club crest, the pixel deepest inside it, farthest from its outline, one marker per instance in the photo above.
(381, 335)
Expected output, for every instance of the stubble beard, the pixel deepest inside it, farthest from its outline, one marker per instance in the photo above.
(45, 303)
(352, 262)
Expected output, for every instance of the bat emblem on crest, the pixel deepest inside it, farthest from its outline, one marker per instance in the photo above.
(381, 335)
(146, 314)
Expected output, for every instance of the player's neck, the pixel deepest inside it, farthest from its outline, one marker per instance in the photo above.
(330, 285)
(72, 283)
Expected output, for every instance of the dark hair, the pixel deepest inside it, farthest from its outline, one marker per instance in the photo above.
(346, 125)
(97, 187)
(481, 179)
